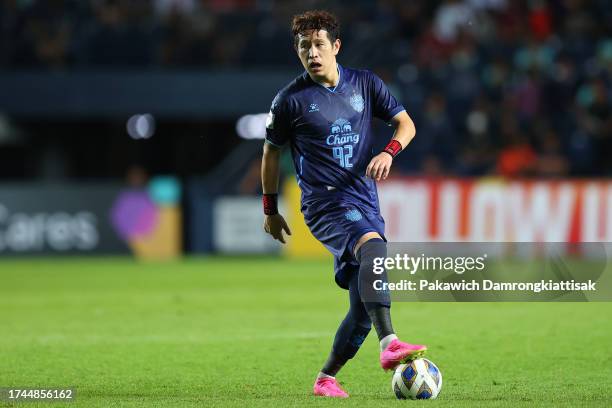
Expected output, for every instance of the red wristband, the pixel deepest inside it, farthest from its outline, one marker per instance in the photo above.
(270, 204)
(393, 148)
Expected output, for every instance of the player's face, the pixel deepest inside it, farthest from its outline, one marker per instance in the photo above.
(318, 53)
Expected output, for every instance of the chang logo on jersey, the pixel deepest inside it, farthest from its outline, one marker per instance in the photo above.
(342, 133)
(357, 102)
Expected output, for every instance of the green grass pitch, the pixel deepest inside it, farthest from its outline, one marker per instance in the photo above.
(212, 332)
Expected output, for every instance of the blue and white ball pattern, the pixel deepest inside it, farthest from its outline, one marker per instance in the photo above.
(418, 379)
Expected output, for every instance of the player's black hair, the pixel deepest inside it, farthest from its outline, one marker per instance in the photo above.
(315, 20)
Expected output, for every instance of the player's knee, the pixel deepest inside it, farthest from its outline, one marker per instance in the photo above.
(349, 348)
(371, 257)
(370, 250)
(365, 239)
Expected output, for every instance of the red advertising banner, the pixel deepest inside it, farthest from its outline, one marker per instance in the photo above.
(491, 210)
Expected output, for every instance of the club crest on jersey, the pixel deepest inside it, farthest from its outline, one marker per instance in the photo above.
(313, 107)
(357, 102)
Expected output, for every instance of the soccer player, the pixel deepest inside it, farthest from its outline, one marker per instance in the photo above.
(325, 115)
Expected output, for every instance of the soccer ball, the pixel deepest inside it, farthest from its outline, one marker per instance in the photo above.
(418, 379)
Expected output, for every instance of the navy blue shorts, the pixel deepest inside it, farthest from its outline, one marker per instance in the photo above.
(338, 226)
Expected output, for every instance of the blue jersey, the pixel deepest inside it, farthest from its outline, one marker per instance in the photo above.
(330, 133)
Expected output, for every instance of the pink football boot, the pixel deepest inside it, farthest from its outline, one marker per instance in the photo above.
(328, 387)
(398, 352)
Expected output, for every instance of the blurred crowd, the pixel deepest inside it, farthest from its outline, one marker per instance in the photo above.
(518, 88)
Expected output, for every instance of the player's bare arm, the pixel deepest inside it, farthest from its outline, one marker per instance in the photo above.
(380, 165)
(274, 223)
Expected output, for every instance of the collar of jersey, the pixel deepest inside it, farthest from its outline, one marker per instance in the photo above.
(332, 90)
